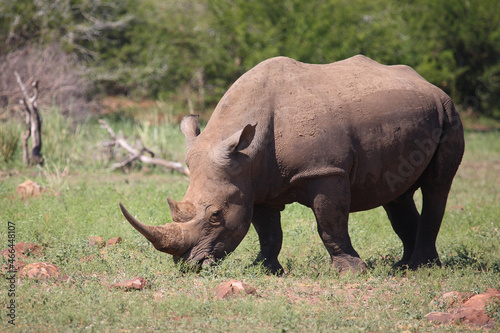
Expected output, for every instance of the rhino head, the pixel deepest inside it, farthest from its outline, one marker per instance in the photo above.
(215, 213)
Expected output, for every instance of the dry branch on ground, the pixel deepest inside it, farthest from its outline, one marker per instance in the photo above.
(138, 154)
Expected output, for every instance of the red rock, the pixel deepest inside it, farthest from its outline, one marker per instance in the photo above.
(440, 317)
(233, 287)
(22, 250)
(42, 271)
(471, 316)
(29, 189)
(114, 241)
(477, 302)
(449, 299)
(472, 312)
(96, 241)
(27, 249)
(493, 292)
(137, 283)
(16, 266)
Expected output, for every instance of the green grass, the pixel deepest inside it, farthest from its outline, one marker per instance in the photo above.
(310, 297)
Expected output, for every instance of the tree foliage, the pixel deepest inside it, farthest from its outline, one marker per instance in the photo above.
(191, 51)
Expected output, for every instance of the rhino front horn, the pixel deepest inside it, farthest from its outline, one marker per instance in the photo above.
(170, 238)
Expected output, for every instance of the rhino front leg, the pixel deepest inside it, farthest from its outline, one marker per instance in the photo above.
(330, 200)
(267, 223)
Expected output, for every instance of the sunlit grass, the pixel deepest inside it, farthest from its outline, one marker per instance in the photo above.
(310, 297)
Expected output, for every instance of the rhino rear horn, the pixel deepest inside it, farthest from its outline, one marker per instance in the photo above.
(181, 211)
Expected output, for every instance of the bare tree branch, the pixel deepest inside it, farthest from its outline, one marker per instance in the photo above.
(33, 123)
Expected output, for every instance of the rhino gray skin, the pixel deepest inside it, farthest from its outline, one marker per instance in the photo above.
(338, 138)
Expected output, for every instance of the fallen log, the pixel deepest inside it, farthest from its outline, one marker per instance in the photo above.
(138, 154)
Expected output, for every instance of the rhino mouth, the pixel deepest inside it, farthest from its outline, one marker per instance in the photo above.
(198, 262)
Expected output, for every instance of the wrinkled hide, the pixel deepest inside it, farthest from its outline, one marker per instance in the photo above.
(338, 138)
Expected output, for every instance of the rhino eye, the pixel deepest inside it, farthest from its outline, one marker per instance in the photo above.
(216, 217)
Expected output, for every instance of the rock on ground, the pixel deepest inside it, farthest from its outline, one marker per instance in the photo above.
(233, 287)
(100, 242)
(42, 271)
(29, 189)
(96, 241)
(137, 283)
(114, 241)
(471, 312)
(22, 250)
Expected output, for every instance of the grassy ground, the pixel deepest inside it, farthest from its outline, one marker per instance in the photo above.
(310, 297)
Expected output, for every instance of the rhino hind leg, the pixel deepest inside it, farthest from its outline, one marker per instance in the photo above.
(435, 184)
(267, 223)
(404, 218)
(330, 201)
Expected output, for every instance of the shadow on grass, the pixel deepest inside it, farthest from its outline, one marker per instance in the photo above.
(462, 257)
(457, 258)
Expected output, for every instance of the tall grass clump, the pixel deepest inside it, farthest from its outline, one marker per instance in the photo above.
(9, 139)
(63, 139)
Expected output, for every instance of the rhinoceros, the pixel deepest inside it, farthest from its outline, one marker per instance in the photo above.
(338, 138)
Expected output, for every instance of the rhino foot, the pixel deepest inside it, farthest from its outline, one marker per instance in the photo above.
(416, 263)
(413, 265)
(273, 267)
(349, 264)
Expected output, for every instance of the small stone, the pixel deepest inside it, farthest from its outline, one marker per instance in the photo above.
(233, 287)
(27, 249)
(22, 250)
(42, 271)
(29, 189)
(450, 299)
(471, 316)
(114, 241)
(472, 312)
(477, 302)
(137, 283)
(14, 267)
(97, 241)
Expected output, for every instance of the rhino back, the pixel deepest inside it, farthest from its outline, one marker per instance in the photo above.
(354, 117)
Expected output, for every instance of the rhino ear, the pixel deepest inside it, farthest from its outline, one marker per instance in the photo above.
(239, 140)
(190, 128)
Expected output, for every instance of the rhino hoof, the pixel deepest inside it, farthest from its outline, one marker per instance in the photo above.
(352, 265)
(272, 268)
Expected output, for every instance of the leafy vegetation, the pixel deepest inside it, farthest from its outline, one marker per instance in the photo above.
(189, 52)
(82, 202)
